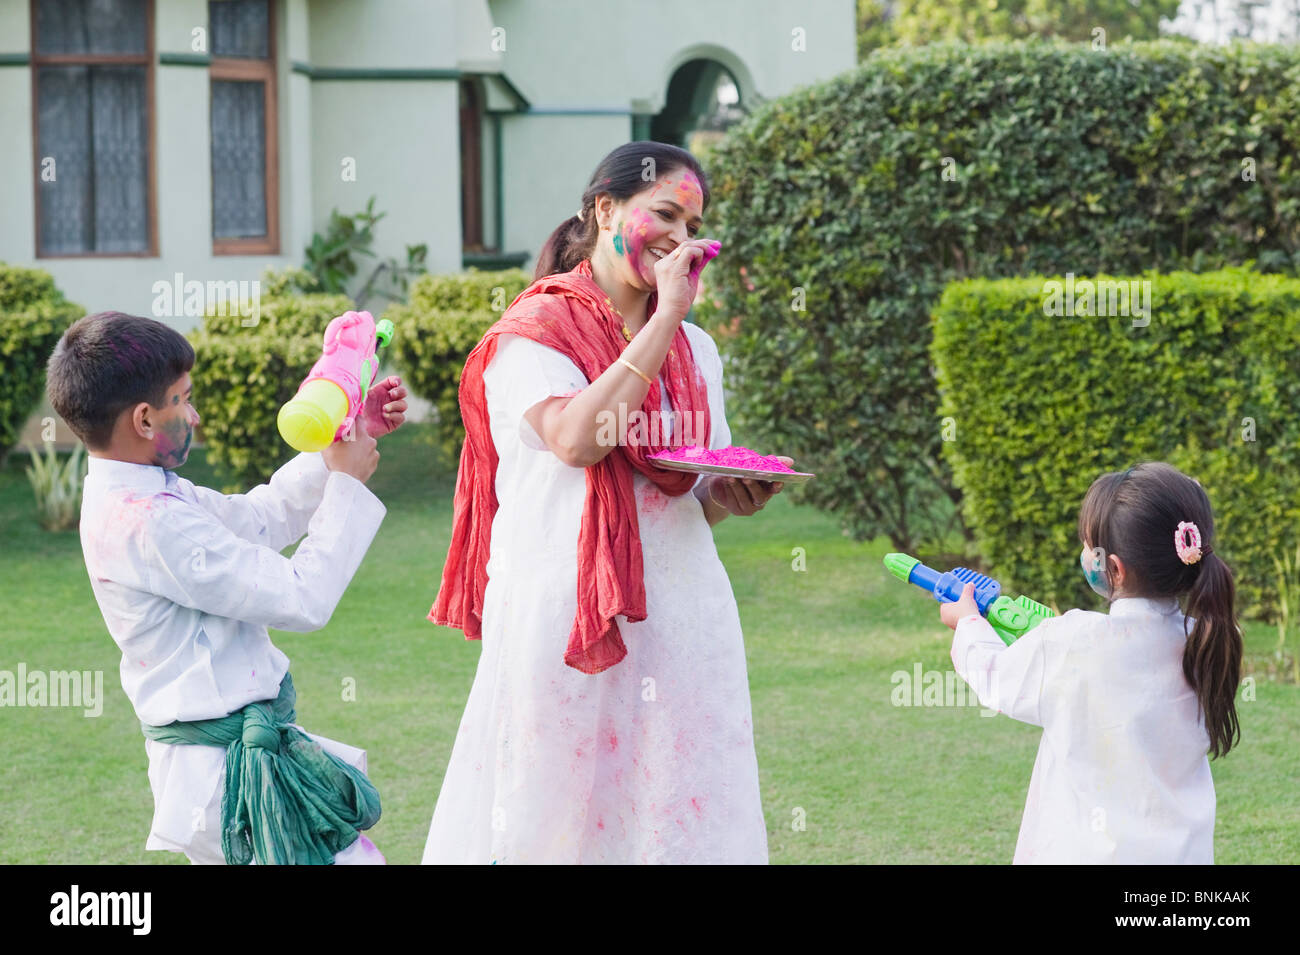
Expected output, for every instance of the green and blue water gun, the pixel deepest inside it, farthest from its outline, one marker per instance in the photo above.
(1011, 617)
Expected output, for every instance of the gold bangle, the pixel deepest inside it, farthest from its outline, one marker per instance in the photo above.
(709, 484)
(636, 369)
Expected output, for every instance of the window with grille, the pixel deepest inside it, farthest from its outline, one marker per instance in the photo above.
(244, 182)
(92, 66)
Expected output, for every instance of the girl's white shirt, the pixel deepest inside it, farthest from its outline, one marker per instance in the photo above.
(1122, 773)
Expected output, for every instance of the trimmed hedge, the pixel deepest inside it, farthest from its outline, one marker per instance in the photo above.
(1043, 405)
(1058, 159)
(33, 317)
(243, 375)
(436, 331)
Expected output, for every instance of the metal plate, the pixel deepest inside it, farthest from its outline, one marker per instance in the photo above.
(786, 477)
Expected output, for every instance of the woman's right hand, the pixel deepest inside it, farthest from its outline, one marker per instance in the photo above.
(677, 275)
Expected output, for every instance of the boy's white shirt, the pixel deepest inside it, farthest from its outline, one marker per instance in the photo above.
(1121, 774)
(188, 580)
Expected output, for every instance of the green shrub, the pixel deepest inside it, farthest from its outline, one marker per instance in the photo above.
(1036, 407)
(33, 316)
(865, 194)
(1286, 655)
(243, 375)
(331, 266)
(435, 333)
(57, 486)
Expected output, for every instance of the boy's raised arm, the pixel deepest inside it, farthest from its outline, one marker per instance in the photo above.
(275, 514)
(193, 560)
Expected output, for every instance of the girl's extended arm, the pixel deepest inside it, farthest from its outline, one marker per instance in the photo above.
(1008, 679)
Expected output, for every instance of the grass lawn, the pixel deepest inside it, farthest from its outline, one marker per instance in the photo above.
(872, 782)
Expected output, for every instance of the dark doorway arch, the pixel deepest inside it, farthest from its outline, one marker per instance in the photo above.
(702, 94)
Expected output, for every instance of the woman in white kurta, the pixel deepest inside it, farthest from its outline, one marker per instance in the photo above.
(609, 719)
(651, 760)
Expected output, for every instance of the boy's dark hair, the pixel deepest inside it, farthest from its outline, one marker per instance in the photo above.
(108, 362)
(621, 175)
(1134, 515)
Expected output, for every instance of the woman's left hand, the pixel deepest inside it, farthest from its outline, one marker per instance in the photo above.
(745, 496)
(385, 407)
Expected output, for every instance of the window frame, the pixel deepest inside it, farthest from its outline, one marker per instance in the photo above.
(470, 118)
(241, 68)
(146, 60)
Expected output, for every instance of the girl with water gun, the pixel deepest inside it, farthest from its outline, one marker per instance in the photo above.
(1130, 702)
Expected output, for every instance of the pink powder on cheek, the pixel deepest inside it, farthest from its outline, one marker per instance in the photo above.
(637, 229)
(641, 222)
(731, 457)
(634, 242)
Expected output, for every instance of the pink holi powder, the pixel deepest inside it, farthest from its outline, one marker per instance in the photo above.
(652, 502)
(731, 457)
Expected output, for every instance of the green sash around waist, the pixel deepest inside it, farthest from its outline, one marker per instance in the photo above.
(287, 801)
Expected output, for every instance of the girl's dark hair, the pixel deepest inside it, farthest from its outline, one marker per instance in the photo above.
(622, 174)
(1134, 515)
(108, 362)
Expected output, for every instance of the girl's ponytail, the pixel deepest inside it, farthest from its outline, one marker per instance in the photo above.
(1212, 660)
(1132, 514)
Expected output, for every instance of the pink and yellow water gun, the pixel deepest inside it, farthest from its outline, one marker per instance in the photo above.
(332, 395)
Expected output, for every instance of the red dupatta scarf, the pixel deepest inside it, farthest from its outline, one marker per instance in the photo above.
(572, 314)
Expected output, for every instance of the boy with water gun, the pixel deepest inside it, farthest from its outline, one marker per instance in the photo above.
(188, 581)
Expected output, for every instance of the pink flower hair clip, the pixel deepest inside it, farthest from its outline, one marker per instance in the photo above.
(1187, 541)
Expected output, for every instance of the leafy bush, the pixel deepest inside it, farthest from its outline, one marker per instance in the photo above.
(33, 316)
(435, 333)
(1286, 654)
(331, 264)
(58, 486)
(243, 375)
(1041, 405)
(850, 204)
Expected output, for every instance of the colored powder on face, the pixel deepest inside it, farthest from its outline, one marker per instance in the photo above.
(689, 191)
(634, 244)
(641, 222)
(731, 457)
(172, 445)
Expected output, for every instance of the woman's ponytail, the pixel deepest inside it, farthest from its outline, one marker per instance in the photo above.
(1212, 660)
(569, 244)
